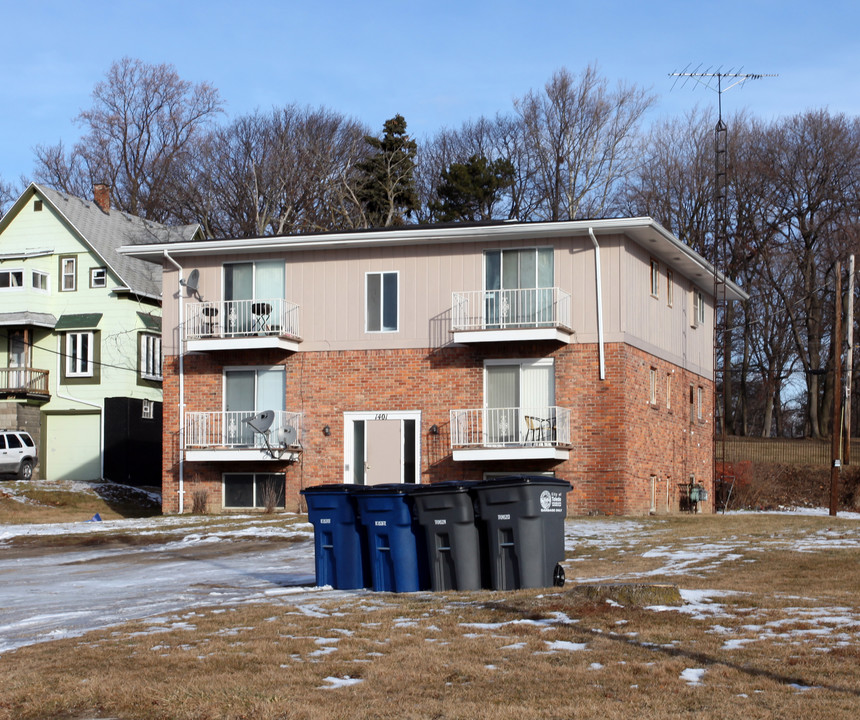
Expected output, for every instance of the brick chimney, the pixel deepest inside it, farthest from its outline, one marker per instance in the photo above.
(101, 195)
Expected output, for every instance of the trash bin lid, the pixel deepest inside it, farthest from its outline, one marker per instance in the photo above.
(509, 480)
(446, 486)
(332, 488)
(391, 488)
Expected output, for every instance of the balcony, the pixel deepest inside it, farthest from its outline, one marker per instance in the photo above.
(225, 436)
(511, 433)
(24, 383)
(511, 315)
(242, 324)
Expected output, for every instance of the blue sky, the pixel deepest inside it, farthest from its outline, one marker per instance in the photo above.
(436, 63)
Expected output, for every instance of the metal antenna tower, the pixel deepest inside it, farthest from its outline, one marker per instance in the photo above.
(719, 81)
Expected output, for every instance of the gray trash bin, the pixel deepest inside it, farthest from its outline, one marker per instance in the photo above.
(445, 513)
(522, 517)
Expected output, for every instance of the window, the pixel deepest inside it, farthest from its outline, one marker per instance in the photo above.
(79, 354)
(692, 403)
(519, 400)
(698, 308)
(381, 302)
(700, 401)
(652, 393)
(150, 356)
(98, 277)
(253, 291)
(37, 206)
(68, 274)
(668, 391)
(147, 411)
(11, 279)
(253, 490)
(40, 280)
(670, 288)
(518, 287)
(655, 278)
(248, 391)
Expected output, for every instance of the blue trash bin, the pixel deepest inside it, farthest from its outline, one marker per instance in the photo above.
(340, 543)
(522, 518)
(395, 543)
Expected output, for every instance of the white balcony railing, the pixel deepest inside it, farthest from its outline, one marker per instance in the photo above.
(24, 381)
(509, 309)
(241, 318)
(228, 431)
(510, 427)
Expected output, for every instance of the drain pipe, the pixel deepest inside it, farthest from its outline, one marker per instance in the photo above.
(63, 396)
(599, 303)
(181, 387)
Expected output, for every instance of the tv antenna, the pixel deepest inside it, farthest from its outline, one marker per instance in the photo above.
(719, 81)
(287, 436)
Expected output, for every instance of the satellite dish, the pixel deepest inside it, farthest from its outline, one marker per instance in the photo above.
(192, 283)
(262, 421)
(287, 436)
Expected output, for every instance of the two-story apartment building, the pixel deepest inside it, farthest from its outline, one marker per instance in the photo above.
(419, 354)
(80, 335)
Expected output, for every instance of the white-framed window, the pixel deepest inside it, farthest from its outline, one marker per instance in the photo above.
(249, 390)
(670, 288)
(655, 278)
(150, 356)
(11, 279)
(519, 399)
(700, 402)
(668, 391)
(68, 274)
(698, 308)
(382, 312)
(253, 490)
(518, 286)
(39, 280)
(147, 411)
(79, 354)
(652, 391)
(98, 277)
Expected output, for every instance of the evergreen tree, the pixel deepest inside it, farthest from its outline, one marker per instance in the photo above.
(386, 186)
(470, 190)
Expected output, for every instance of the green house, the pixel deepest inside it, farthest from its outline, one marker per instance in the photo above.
(80, 335)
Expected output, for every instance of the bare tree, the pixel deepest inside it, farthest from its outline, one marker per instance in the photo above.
(139, 129)
(673, 182)
(811, 164)
(274, 173)
(582, 139)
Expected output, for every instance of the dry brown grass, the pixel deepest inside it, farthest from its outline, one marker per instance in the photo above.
(50, 503)
(783, 641)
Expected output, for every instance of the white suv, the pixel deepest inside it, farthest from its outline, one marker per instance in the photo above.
(17, 453)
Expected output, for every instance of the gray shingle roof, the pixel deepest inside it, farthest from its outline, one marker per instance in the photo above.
(105, 232)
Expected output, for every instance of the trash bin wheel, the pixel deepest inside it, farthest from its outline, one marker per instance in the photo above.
(558, 576)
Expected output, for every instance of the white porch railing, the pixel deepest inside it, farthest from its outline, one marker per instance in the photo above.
(241, 318)
(227, 430)
(511, 427)
(506, 309)
(24, 381)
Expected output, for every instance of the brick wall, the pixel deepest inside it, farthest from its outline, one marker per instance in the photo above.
(619, 439)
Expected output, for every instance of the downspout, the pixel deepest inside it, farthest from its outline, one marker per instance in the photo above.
(599, 303)
(83, 402)
(181, 388)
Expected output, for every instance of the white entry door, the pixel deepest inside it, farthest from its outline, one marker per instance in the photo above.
(384, 452)
(381, 448)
